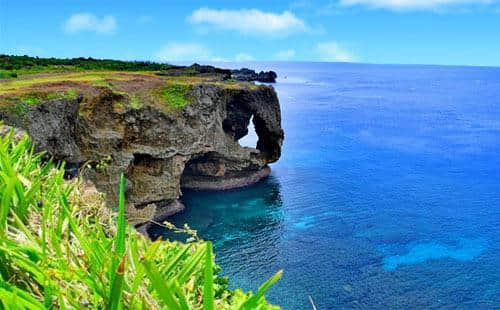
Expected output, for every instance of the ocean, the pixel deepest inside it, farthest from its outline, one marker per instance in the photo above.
(387, 194)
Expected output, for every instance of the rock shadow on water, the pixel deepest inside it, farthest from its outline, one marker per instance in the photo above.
(231, 215)
(465, 250)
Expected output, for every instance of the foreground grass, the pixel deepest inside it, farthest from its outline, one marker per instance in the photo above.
(60, 247)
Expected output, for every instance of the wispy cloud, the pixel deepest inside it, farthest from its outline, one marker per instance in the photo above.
(26, 50)
(89, 22)
(177, 51)
(332, 51)
(249, 21)
(285, 54)
(413, 4)
(244, 57)
(191, 51)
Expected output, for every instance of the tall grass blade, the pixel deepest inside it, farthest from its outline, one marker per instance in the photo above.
(208, 287)
(117, 266)
(254, 301)
(60, 251)
(115, 298)
(122, 225)
(158, 283)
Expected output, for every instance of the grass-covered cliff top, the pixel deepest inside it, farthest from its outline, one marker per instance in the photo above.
(28, 81)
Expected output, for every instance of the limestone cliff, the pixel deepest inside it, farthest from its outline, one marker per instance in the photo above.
(109, 130)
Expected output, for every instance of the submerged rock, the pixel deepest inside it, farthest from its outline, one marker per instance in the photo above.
(160, 150)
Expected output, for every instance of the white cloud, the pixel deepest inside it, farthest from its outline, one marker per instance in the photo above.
(89, 22)
(176, 51)
(219, 59)
(285, 54)
(26, 50)
(411, 4)
(249, 21)
(243, 57)
(332, 51)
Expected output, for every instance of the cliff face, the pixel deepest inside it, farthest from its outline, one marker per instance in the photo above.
(161, 152)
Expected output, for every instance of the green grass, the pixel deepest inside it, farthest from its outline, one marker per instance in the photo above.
(61, 248)
(19, 105)
(5, 74)
(135, 102)
(34, 98)
(70, 94)
(102, 83)
(31, 99)
(175, 95)
(97, 77)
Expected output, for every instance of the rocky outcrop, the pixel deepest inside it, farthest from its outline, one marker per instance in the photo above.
(197, 70)
(245, 74)
(159, 152)
(52, 126)
(229, 181)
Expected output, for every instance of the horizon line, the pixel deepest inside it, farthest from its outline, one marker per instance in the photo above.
(266, 61)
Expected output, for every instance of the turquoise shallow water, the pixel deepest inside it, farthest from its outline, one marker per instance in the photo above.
(387, 194)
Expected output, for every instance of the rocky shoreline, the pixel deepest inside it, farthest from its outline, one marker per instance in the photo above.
(212, 183)
(243, 74)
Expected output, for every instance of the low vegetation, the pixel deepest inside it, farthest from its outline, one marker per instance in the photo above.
(34, 98)
(61, 248)
(27, 81)
(18, 105)
(96, 78)
(14, 66)
(175, 95)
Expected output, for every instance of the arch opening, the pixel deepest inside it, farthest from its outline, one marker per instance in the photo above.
(251, 137)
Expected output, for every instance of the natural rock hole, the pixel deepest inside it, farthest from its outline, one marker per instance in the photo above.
(213, 171)
(250, 139)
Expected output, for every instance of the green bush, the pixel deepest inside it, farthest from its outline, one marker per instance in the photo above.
(60, 249)
(11, 66)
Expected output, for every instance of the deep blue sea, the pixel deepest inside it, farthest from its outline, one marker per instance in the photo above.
(387, 195)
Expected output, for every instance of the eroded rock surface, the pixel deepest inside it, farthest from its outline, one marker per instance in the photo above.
(159, 151)
(245, 74)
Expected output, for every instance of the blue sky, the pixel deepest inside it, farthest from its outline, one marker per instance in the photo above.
(450, 32)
